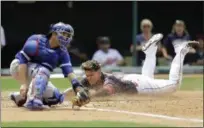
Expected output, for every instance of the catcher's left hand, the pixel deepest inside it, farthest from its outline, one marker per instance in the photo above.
(82, 98)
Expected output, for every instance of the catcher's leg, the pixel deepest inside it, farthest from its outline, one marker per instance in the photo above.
(159, 86)
(37, 88)
(49, 92)
(150, 50)
(52, 95)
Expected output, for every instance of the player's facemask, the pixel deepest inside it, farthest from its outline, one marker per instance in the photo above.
(64, 39)
(64, 32)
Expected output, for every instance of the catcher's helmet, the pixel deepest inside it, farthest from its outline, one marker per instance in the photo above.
(61, 28)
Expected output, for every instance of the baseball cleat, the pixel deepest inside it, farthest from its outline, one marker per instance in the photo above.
(185, 50)
(179, 46)
(153, 40)
(187, 43)
(12, 97)
(17, 99)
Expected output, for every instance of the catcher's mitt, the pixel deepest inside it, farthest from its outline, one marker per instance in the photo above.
(81, 98)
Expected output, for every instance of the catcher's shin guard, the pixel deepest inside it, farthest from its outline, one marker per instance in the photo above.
(38, 87)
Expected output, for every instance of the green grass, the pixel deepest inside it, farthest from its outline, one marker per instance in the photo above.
(9, 84)
(77, 124)
(189, 83)
(192, 84)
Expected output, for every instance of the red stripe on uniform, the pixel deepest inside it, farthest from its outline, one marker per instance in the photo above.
(36, 52)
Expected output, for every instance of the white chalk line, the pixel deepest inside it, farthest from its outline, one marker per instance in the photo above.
(140, 113)
(147, 114)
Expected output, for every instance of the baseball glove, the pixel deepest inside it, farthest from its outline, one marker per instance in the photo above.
(81, 98)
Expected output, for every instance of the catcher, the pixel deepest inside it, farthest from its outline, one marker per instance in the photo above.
(107, 84)
(51, 96)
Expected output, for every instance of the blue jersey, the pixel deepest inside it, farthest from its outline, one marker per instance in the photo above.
(37, 50)
(140, 39)
(173, 39)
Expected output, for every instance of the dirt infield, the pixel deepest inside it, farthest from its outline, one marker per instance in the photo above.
(181, 104)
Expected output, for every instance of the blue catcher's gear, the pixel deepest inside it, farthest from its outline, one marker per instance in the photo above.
(58, 96)
(39, 82)
(37, 88)
(65, 32)
(34, 104)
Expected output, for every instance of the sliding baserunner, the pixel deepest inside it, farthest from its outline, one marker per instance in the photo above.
(144, 83)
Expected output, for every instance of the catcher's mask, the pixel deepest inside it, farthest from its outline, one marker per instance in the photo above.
(64, 32)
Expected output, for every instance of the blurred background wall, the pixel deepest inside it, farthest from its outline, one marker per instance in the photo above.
(93, 19)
